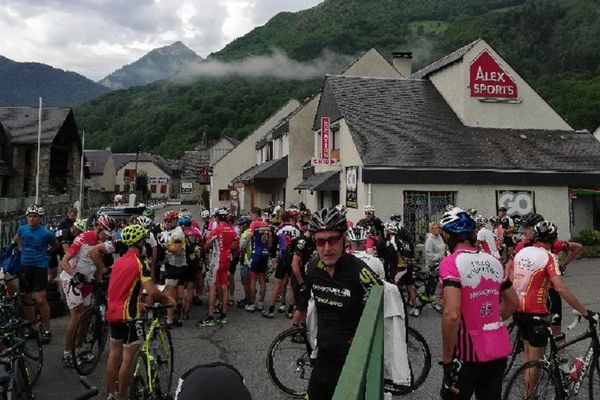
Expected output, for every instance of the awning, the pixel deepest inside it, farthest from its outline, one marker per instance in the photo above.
(273, 169)
(583, 190)
(329, 180)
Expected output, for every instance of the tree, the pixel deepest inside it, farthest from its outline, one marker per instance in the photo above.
(141, 186)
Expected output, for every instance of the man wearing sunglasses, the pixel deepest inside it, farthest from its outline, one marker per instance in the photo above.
(339, 283)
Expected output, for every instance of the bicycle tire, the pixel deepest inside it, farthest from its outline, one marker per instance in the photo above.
(594, 375)
(516, 349)
(22, 384)
(33, 351)
(138, 382)
(291, 376)
(417, 349)
(90, 327)
(163, 354)
(546, 385)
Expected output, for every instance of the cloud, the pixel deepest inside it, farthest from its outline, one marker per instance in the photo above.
(277, 64)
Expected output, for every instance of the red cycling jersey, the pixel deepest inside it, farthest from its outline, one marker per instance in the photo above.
(534, 267)
(223, 237)
(557, 247)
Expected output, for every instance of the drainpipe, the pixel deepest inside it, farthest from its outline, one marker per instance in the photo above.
(369, 194)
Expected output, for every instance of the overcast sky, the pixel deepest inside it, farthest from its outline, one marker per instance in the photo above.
(96, 37)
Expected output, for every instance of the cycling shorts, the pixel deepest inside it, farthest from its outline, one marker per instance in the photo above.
(83, 296)
(282, 269)
(33, 279)
(191, 271)
(532, 330)
(233, 264)
(555, 306)
(218, 275)
(175, 275)
(484, 379)
(259, 264)
(407, 278)
(245, 272)
(129, 333)
(324, 378)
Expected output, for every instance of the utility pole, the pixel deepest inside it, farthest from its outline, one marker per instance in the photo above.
(137, 156)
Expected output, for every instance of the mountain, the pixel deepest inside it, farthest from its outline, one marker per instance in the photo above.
(22, 83)
(551, 43)
(158, 64)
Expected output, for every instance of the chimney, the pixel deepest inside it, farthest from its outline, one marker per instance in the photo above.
(402, 61)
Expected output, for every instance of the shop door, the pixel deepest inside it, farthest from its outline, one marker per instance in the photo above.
(421, 208)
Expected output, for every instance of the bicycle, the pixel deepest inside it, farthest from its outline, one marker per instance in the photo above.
(517, 347)
(552, 382)
(419, 358)
(152, 371)
(426, 284)
(91, 332)
(14, 379)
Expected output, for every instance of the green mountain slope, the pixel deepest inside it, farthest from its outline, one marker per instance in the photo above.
(551, 43)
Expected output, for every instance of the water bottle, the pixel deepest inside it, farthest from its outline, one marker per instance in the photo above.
(102, 309)
(577, 365)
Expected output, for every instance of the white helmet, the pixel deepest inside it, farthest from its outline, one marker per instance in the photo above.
(144, 221)
(35, 209)
(369, 208)
(391, 226)
(341, 208)
(205, 214)
(481, 220)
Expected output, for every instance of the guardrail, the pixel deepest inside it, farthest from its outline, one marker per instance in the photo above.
(362, 375)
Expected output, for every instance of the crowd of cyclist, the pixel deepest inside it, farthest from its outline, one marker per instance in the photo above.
(489, 269)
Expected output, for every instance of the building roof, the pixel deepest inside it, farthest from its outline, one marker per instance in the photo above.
(21, 123)
(443, 62)
(272, 169)
(192, 163)
(328, 180)
(407, 124)
(122, 159)
(97, 160)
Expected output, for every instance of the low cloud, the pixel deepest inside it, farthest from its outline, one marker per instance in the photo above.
(276, 65)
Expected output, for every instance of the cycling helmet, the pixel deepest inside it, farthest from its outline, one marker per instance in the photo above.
(80, 225)
(205, 214)
(396, 217)
(106, 223)
(143, 221)
(357, 234)
(171, 215)
(185, 219)
(133, 234)
(150, 213)
(391, 226)
(494, 220)
(472, 212)
(222, 214)
(369, 208)
(243, 220)
(163, 238)
(481, 220)
(457, 220)
(214, 212)
(35, 209)
(531, 219)
(545, 231)
(341, 208)
(328, 219)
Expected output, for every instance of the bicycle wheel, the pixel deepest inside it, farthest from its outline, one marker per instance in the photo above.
(594, 383)
(22, 387)
(139, 382)
(289, 364)
(33, 356)
(88, 333)
(516, 349)
(546, 387)
(419, 358)
(161, 348)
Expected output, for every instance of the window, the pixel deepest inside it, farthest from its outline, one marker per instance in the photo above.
(269, 151)
(421, 208)
(129, 173)
(223, 195)
(117, 188)
(152, 189)
(163, 189)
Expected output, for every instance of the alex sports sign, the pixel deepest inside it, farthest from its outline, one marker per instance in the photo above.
(489, 80)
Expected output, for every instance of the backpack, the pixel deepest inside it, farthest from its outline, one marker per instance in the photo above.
(10, 259)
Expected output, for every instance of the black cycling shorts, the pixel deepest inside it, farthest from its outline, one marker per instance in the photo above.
(407, 278)
(533, 331)
(282, 270)
(129, 333)
(484, 379)
(555, 306)
(191, 271)
(175, 273)
(324, 378)
(33, 279)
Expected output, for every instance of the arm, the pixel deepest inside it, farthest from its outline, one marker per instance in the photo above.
(429, 253)
(296, 259)
(575, 249)
(64, 263)
(97, 254)
(510, 302)
(150, 287)
(567, 295)
(450, 320)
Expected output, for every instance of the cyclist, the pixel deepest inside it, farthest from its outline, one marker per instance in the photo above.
(193, 255)
(302, 249)
(173, 240)
(339, 282)
(357, 236)
(534, 268)
(260, 237)
(33, 240)
(130, 274)
(435, 247)
(475, 342)
(244, 224)
(223, 243)
(78, 270)
(212, 381)
(485, 237)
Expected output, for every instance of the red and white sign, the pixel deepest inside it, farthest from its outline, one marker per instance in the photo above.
(489, 79)
(325, 137)
(324, 161)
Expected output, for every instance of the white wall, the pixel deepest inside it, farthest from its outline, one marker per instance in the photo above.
(583, 210)
(372, 64)
(532, 113)
(152, 170)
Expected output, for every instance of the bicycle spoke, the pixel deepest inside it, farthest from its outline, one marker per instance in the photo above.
(289, 363)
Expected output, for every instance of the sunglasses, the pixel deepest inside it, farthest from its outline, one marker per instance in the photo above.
(332, 241)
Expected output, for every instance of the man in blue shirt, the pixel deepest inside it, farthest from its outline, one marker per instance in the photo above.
(33, 240)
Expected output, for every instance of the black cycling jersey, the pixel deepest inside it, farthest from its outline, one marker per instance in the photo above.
(339, 301)
(305, 248)
(374, 225)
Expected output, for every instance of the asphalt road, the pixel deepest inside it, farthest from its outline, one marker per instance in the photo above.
(243, 342)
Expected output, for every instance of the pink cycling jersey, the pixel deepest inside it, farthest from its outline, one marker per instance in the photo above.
(481, 336)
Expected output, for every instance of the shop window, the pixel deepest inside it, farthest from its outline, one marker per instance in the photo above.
(153, 189)
(421, 208)
(129, 173)
(224, 195)
(163, 189)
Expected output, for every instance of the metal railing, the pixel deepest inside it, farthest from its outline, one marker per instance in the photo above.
(362, 375)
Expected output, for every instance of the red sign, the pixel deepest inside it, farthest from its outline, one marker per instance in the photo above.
(489, 79)
(325, 137)
(324, 161)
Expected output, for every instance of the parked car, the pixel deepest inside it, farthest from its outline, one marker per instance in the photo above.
(120, 214)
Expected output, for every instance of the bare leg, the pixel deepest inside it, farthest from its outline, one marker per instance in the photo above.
(129, 353)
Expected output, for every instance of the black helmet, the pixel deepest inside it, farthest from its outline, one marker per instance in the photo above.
(531, 219)
(328, 219)
(545, 231)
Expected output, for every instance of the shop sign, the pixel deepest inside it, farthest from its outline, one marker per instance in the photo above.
(516, 202)
(325, 137)
(489, 80)
(186, 187)
(324, 161)
(157, 180)
(351, 187)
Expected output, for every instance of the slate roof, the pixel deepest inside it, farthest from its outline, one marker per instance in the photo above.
(192, 163)
(272, 169)
(407, 124)
(328, 180)
(21, 123)
(97, 160)
(121, 159)
(443, 62)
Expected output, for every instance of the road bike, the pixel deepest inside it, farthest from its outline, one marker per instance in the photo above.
(426, 286)
(14, 379)
(152, 371)
(551, 382)
(419, 358)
